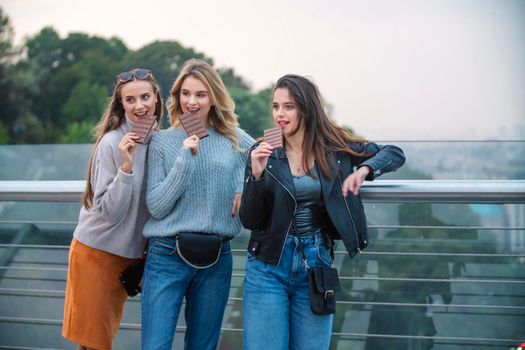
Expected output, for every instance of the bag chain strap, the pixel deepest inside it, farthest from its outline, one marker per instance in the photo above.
(192, 265)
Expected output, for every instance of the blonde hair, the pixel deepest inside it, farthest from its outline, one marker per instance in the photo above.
(111, 120)
(221, 115)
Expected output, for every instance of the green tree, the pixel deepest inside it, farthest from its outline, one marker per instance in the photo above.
(58, 90)
(7, 50)
(86, 102)
(4, 134)
(230, 79)
(8, 106)
(58, 65)
(164, 58)
(253, 109)
(27, 128)
(78, 132)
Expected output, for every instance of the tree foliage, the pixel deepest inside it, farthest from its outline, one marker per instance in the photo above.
(55, 89)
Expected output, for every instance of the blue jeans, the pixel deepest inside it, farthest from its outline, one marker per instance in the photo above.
(276, 304)
(167, 280)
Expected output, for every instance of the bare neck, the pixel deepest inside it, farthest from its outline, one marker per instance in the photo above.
(294, 143)
(206, 121)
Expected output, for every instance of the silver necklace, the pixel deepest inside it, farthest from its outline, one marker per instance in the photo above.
(298, 168)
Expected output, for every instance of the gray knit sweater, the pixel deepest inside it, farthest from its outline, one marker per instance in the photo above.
(194, 193)
(114, 223)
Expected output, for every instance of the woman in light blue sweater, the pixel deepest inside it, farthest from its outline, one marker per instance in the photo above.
(193, 195)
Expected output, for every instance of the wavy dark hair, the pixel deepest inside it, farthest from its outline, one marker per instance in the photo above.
(321, 135)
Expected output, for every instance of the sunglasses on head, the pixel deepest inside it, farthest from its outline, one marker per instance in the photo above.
(138, 73)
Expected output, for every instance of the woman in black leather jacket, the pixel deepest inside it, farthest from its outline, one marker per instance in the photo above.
(296, 200)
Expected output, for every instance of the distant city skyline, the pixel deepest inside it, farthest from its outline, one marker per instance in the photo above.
(436, 69)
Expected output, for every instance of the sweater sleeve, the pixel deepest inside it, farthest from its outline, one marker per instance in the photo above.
(164, 189)
(245, 142)
(112, 188)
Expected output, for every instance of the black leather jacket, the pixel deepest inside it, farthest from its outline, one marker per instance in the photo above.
(268, 205)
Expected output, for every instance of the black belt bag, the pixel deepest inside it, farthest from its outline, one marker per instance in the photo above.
(199, 250)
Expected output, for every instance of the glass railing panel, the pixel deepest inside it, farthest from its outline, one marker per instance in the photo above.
(439, 160)
(33, 265)
(44, 162)
(53, 212)
(462, 160)
(430, 270)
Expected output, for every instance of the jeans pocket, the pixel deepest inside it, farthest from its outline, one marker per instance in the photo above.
(250, 257)
(226, 249)
(163, 246)
(323, 257)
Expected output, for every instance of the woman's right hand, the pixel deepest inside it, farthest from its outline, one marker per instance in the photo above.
(127, 151)
(192, 143)
(259, 157)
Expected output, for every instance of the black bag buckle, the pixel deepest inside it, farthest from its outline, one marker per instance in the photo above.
(323, 283)
(329, 293)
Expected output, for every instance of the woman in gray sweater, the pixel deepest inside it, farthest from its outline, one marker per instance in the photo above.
(109, 233)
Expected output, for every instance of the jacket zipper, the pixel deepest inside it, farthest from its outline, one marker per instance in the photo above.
(291, 221)
(348, 209)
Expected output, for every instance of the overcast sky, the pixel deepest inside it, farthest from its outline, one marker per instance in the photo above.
(403, 69)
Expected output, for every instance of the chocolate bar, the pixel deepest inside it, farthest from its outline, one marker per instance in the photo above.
(193, 125)
(143, 127)
(274, 136)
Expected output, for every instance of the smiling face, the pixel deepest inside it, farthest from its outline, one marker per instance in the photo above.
(138, 99)
(285, 111)
(195, 98)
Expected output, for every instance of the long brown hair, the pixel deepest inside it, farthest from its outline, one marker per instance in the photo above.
(111, 120)
(221, 116)
(321, 135)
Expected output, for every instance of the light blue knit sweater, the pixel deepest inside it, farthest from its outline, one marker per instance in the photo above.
(194, 193)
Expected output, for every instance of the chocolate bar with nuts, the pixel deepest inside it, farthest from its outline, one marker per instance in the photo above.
(274, 136)
(143, 127)
(193, 125)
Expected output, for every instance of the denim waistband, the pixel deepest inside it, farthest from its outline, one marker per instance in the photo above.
(306, 239)
(224, 239)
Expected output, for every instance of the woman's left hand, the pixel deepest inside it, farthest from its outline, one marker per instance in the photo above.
(354, 181)
(236, 203)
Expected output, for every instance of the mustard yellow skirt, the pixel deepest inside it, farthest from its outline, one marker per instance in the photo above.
(94, 296)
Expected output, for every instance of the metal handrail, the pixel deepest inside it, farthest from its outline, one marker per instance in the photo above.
(390, 191)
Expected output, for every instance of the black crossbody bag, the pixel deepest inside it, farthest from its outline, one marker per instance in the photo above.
(200, 250)
(323, 283)
(131, 276)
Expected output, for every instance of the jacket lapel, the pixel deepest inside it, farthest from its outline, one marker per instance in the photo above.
(278, 166)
